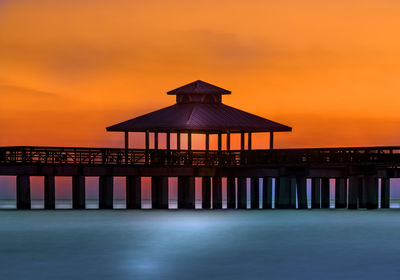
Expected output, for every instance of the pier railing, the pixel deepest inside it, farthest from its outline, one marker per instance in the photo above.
(110, 156)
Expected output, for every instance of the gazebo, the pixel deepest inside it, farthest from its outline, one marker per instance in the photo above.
(199, 109)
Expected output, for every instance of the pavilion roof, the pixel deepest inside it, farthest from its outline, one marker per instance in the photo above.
(198, 87)
(199, 117)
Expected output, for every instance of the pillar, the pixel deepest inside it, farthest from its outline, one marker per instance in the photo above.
(271, 140)
(206, 193)
(340, 192)
(106, 192)
(147, 146)
(49, 192)
(186, 192)
(217, 192)
(23, 192)
(267, 193)
(354, 183)
(362, 193)
(255, 193)
(371, 191)
(325, 196)
(286, 192)
(159, 192)
(133, 192)
(231, 192)
(385, 193)
(126, 140)
(78, 192)
(301, 183)
(249, 141)
(315, 193)
(242, 193)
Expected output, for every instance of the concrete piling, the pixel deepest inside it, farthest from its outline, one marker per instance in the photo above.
(242, 193)
(206, 193)
(286, 188)
(325, 195)
(186, 192)
(267, 193)
(49, 192)
(255, 193)
(301, 183)
(133, 192)
(23, 192)
(315, 193)
(159, 192)
(231, 192)
(354, 184)
(106, 192)
(371, 191)
(78, 192)
(217, 192)
(385, 193)
(340, 192)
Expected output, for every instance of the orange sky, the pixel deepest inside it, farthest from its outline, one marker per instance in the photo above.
(329, 69)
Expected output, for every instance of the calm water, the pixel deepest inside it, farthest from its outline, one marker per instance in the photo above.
(197, 244)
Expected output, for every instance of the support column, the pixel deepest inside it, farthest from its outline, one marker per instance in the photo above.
(231, 192)
(106, 192)
(206, 192)
(186, 192)
(23, 192)
(354, 182)
(159, 192)
(340, 192)
(228, 141)
(271, 140)
(217, 192)
(249, 141)
(78, 192)
(325, 196)
(315, 193)
(255, 193)
(49, 192)
(385, 193)
(371, 191)
(242, 193)
(362, 194)
(302, 192)
(147, 146)
(126, 140)
(286, 193)
(133, 192)
(267, 193)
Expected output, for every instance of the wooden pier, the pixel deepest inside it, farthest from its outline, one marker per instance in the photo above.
(356, 172)
(199, 110)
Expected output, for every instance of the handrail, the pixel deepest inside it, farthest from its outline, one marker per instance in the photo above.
(383, 155)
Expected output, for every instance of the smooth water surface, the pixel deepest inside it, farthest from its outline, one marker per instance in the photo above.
(198, 244)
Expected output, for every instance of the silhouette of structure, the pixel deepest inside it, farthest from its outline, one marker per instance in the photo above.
(199, 110)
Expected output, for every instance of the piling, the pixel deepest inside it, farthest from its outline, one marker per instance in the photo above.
(159, 192)
(385, 193)
(325, 196)
(340, 192)
(49, 192)
(354, 184)
(315, 193)
(206, 193)
(371, 191)
(231, 193)
(23, 192)
(301, 183)
(186, 192)
(133, 192)
(267, 193)
(242, 193)
(78, 192)
(217, 192)
(255, 193)
(106, 192)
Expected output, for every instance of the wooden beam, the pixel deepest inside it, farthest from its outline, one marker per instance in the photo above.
(249, 141)
(242, 140)
(219, 141)
(126, 140)
(228, 141)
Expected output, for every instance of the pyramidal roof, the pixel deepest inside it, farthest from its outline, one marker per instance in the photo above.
(198, 87)
(199, 116)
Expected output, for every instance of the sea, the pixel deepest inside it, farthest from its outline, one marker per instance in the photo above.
(197, 244)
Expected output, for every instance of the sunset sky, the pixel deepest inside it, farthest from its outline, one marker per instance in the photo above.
(329, 69)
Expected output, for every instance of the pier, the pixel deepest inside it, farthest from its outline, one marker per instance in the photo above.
(357, 171)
